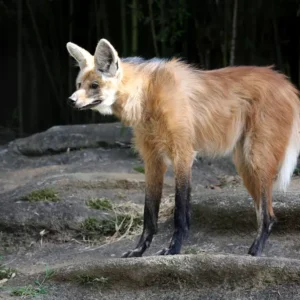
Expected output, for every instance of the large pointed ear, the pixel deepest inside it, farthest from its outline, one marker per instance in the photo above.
(106, 58)
(83, 57)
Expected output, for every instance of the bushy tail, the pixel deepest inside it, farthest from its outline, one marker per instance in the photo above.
(291, 155)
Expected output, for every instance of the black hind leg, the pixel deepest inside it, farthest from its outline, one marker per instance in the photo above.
(265, 224)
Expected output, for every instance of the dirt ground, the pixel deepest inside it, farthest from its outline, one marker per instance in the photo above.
(63, 226)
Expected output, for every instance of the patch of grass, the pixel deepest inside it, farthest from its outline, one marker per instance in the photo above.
(6, 273)
(28, 291)
(126, 220)
(100, 203)
(34, 290)
(46, 194)
(139, 169)
(122, 223)
(92, 226)
(89, 280)
(191, 250)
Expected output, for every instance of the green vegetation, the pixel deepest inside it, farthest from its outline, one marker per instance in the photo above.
(124, 218)
(38, 288)
(88, 280)
(92, 226)
(100, 203)
(122, 223)
(140, 169)
(6, 273)
(190, 250)
(46, 194)
(29, 291)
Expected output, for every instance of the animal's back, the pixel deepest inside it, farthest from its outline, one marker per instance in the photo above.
(264, 123)
(230, 103)
(219, 109)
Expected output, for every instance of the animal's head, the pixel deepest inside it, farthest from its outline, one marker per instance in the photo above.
(98, 79)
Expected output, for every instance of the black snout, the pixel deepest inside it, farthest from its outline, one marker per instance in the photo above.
(71, 102)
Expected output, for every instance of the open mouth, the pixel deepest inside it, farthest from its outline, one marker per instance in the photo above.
(91, 105)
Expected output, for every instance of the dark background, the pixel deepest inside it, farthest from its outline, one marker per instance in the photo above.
(37, 74)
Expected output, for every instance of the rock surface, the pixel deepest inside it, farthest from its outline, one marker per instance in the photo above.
(59, 139)
(98, 163)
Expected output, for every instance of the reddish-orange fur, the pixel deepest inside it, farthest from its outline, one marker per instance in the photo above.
(249, 110)
(181, 110)
(177, 110)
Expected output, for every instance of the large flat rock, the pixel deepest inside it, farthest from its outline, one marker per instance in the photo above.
(69, 137)
(202, 276)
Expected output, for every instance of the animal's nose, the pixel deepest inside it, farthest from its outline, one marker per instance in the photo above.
(71, 101)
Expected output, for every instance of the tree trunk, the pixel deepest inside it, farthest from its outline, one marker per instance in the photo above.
(233, 40)
(254, 31)
(198, 43)
(20, 91)
(163, 24)
(276, 38)
(47, 67)
(124, 28)
(33, 84)
(225, 37)
(134, 22)
(153, 27)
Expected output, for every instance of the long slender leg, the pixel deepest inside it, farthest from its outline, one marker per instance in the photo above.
(259, 187)
(265, 220)
(154, 172)
(182, 208)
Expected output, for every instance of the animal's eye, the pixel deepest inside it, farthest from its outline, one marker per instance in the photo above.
(78, 85)
(94, 85)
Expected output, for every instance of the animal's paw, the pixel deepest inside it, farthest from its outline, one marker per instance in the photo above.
(167, 251)
(255, 250)
(133, 253)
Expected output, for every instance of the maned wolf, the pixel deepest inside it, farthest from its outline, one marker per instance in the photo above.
(176, 110)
